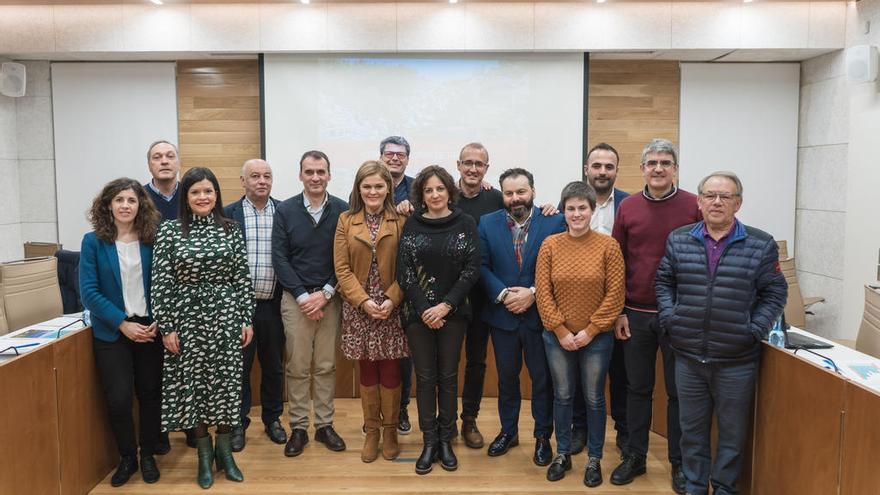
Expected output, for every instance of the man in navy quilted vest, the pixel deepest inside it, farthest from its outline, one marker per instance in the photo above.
(719, 289)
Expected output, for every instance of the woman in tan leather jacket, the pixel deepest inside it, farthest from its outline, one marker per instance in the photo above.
(365, 256)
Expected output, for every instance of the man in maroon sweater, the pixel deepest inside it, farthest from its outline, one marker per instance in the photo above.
(641, 225)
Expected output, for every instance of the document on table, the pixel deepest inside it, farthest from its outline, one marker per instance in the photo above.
(52, 329)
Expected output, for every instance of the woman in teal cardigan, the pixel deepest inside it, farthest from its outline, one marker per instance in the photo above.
(114, 278)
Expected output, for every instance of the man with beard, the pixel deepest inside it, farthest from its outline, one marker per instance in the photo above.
(601, 173)
(509, 243)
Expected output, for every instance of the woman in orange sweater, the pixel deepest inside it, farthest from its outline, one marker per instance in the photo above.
(580, 288)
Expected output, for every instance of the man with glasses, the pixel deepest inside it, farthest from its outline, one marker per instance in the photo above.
(719, 289)
(641, 226)
(394, 152)
(476, 200)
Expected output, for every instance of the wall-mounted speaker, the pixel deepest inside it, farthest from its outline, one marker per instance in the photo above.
(12, 79)
(862, 63)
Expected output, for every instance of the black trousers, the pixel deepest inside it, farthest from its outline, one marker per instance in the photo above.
(435, 355)
(641, 359)
(617, 384)
(475, 343)
(268, 344)
(126, 368)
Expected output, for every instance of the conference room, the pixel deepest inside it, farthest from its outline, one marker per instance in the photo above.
(782, 93)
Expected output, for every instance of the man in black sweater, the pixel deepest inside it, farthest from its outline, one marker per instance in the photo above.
(302, 256)
(476, 201)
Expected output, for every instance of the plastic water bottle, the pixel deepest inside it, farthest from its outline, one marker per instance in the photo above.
(777, 337)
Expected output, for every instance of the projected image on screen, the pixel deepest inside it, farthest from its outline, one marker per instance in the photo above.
(526, 110)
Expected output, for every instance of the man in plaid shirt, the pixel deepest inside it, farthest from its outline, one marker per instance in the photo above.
(254, 213)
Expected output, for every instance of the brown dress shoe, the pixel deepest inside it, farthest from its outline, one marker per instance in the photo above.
(470, 433)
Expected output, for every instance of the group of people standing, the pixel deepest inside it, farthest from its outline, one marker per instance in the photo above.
(400, 276)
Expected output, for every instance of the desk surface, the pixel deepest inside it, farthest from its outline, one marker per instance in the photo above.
(854, 366)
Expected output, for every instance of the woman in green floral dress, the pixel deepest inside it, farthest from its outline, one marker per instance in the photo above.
(203, 302)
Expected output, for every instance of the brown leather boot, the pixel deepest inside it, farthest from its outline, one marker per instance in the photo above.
(370, 403)
(390, 399)
(472, 436)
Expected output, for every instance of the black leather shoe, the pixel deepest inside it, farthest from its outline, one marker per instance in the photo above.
(190, 437)
(327, 435)
(426, 460)
(628, 470)
(502, 443)
(276, 432)
(128, 465)
(593, 473)
(403, 424)
(678, 480)
(561, 463)
(163, 446)
(543, 452)
(298, 440)
(447, 458)
(578, 440)
(149, 470)
(237, 439)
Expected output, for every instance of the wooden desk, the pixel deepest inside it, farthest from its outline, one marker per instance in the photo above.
(56, 436)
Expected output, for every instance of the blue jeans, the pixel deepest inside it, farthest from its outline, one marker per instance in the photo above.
(591, 363)
(728, 389)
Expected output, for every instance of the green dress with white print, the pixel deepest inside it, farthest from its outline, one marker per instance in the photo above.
(201, 289)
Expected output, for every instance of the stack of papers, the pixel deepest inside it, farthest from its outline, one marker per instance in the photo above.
(30, 338)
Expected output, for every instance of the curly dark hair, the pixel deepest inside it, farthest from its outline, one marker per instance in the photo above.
(416, 192)
(100, 215)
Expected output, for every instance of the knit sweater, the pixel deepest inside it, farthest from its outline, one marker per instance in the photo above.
(438, 260)
(641, 226)
(579, 283)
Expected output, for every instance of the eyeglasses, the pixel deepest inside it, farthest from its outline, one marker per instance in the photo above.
(391, 154)
(472, 163)
(723, 197)
(662, 163)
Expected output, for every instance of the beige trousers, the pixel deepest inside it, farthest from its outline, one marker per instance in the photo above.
(310, 342)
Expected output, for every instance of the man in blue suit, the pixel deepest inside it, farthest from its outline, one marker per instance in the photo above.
(509, 241)
(601, 173)
(254, 212)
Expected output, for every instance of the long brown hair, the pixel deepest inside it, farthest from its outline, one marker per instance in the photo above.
(368, 169)
(101, 217)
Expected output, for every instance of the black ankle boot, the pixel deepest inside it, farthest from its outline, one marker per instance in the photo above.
(426, 461)
(448, 461)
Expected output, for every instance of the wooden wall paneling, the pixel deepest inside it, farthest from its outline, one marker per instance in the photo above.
(798, 423)
(631, 102)
(218, 108)
(87, 447)
(861, 437)
(29, 425)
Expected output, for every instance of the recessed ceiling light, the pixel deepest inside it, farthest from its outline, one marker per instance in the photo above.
(747, 1)
(156, 2)
(453, 1)
(600, 1)
(304, 2)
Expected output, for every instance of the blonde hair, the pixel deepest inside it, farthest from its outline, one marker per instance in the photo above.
(368, 169)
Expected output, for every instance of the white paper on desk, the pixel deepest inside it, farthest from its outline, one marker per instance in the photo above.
(18, 343)
(48, 329)
(863, 372)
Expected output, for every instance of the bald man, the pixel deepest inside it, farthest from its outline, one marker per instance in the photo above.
(254, 213)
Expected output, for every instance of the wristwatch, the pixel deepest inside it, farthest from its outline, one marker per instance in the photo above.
(327, 294)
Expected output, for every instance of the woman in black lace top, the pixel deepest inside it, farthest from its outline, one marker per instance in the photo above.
(438, 262)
